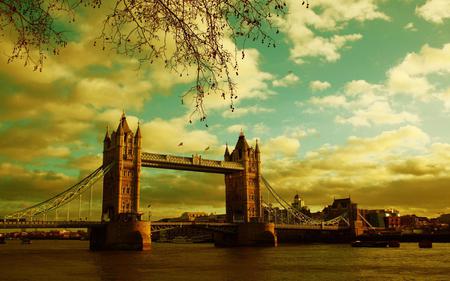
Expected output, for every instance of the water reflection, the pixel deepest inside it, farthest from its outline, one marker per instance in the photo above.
(70, 260)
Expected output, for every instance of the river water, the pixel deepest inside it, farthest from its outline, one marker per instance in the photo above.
(71, 260)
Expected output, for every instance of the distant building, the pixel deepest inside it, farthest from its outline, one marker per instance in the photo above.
(346, 208)
(392, 219)
(298, 203)
(444, 218)
(392, 222)
(212, 218)
(382, 218)
(340, 207)
(281, 215)
(413, 221)
(191, 216)
(376, 218)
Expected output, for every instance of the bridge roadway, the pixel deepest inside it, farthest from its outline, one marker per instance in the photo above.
(156, 226)
(195, 163)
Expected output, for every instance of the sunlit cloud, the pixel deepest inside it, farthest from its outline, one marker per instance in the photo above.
(318, 85)
(303, 25)
(436, 11)
(289, 79)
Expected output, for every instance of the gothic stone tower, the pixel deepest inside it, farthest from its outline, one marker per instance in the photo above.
(243, 196)
(121, 183)
(122, 228)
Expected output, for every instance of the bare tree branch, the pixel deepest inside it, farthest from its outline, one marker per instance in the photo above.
(189, 36)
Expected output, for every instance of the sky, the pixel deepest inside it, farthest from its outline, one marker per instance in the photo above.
(354, 101)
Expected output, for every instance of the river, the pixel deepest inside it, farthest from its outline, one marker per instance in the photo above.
(48, 260)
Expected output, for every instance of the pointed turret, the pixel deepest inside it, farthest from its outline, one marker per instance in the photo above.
(241, 147)
(120, 129)
(124, 124)
(107, 137)
(227, 153)
(257, 147)
(242, 142)
(138, 135)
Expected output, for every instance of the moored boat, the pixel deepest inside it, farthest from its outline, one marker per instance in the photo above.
(425, 244)
(370, 244)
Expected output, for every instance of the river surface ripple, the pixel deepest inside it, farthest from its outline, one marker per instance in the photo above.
(71, 260)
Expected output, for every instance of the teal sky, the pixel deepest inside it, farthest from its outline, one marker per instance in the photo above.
(355, 100)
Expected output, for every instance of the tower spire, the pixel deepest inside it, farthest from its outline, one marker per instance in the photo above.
(227, 152)
(138, 132)
(107, 137)
(124, 124)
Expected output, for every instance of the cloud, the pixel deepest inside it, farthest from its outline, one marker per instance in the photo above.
(126, 92)
(318, 85)
(260, 129)
(329, 101)
(236, 128)
(435, 11)
(170, 193)
(445, 97)
(361, 87)
(410, 26)
(420, 76)
(241, 111)
(251, 83)
(300, 132)
(21, 187)
(393, 168)
(37, 139)
(287, 80)
(164, 136)
(376, 114)
(302, 25)
(366, 105)
(280, 146)
(410, 77)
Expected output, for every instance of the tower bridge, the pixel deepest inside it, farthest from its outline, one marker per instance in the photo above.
(121, 225)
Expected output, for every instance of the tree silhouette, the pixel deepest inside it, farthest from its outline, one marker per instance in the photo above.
(188, 36)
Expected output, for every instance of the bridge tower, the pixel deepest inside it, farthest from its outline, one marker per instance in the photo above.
(243, 200)
(121, 185)
(122, 228)
(243, 195)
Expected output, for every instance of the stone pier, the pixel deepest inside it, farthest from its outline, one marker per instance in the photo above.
(132, 235)
(248, 234)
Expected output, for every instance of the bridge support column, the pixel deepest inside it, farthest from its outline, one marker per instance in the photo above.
(132, 235)
(248, 234)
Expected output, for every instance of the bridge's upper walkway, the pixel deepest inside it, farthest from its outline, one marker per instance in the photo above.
(195, 163)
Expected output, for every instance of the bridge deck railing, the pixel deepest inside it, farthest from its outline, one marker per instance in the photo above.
(194, 160)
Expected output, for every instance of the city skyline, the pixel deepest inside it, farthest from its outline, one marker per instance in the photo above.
(353, 102)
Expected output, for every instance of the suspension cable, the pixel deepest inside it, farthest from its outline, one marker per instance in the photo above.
(62, 198)
(304, 219)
